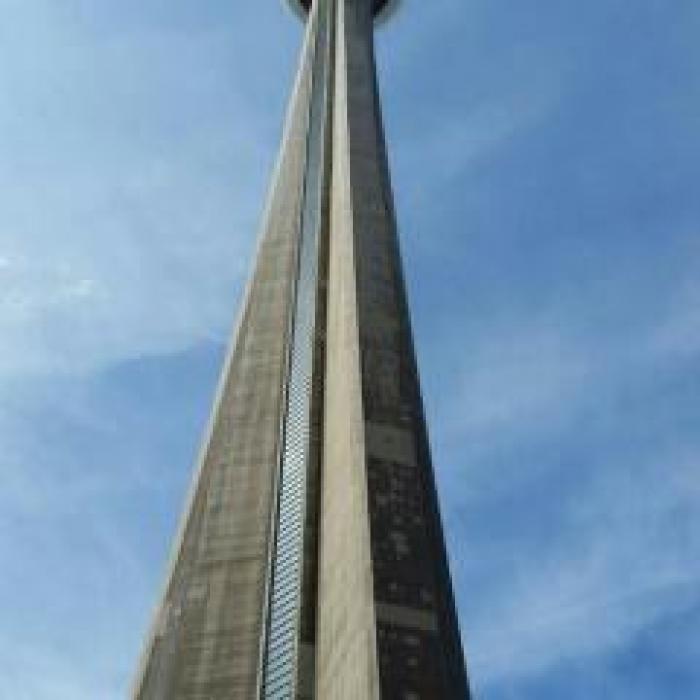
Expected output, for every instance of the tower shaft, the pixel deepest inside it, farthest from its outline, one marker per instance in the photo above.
(311, 561)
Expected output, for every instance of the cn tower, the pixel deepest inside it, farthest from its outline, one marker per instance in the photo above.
(310, 560)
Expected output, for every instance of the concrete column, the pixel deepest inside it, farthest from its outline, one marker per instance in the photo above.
(387, 623)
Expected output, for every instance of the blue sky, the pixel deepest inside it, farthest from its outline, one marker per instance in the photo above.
(546, 160)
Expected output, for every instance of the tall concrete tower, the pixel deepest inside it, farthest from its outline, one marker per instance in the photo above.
(310, 561)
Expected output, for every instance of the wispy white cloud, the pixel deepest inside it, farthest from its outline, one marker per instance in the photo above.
(548, 410)
(31, 671)
(625, 559)
(679, 333)
(457, 141)
(130, 188)
(514, 378)
(534, 369)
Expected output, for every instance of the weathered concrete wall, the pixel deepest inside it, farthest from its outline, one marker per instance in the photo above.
(387, 624)
(206, 641)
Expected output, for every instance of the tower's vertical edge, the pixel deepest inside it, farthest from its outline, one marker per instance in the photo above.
(387, 621)
(207, 636)
(347, 663)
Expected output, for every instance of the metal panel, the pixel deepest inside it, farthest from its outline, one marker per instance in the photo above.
(286, 595)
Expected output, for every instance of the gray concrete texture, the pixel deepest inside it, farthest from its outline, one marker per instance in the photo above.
(385, 624)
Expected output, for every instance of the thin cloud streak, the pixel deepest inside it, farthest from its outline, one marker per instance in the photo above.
(558, 409)
(126, 193)
(613, 571)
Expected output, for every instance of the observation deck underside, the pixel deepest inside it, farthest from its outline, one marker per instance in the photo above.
(382, 8)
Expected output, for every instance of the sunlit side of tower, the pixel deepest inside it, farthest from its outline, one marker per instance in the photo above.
(310, 561)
